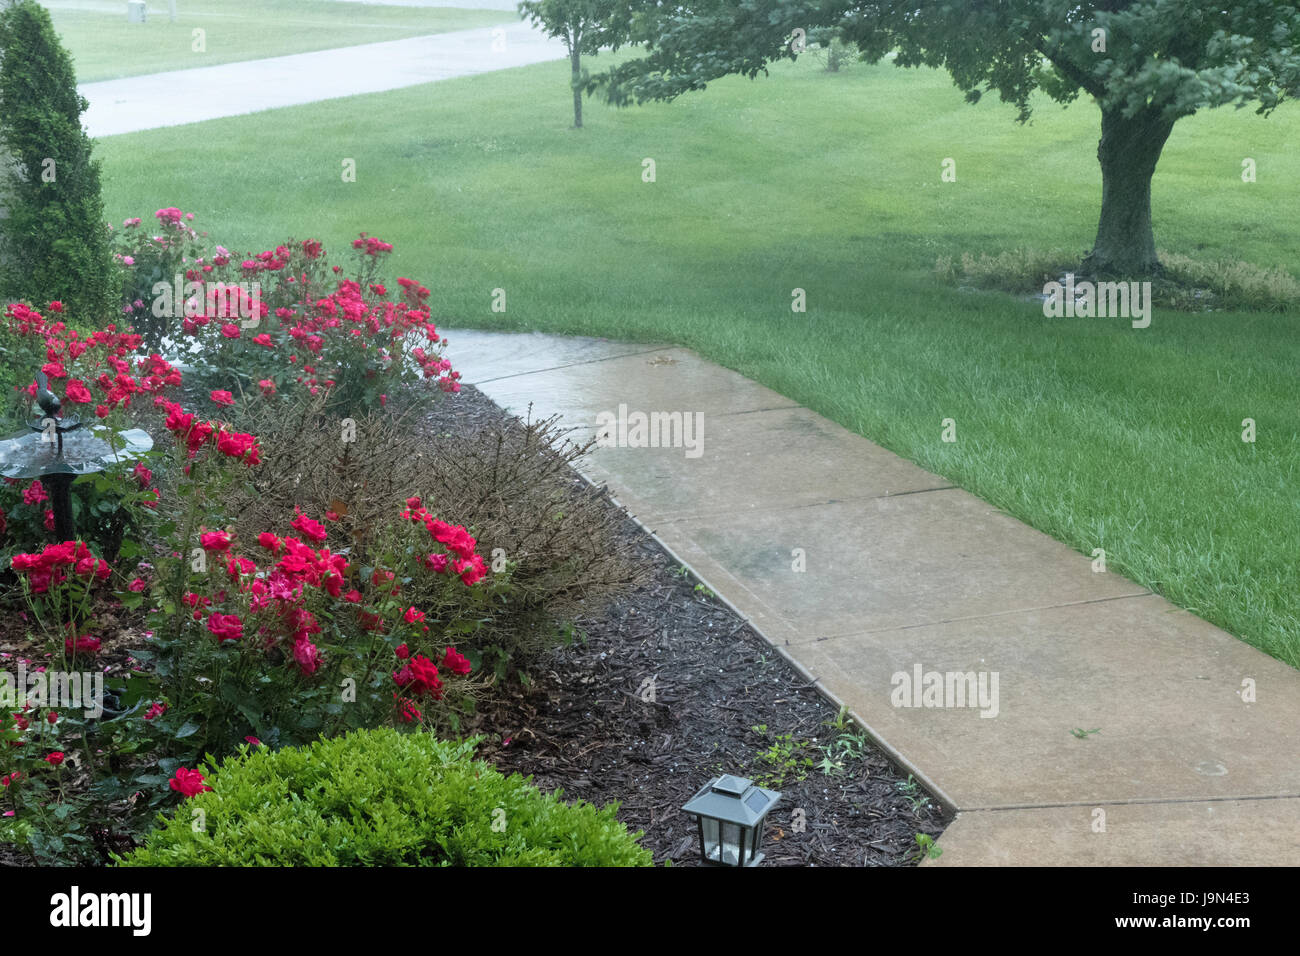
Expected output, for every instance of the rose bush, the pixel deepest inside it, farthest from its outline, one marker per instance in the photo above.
(284, 318)
(283, 638)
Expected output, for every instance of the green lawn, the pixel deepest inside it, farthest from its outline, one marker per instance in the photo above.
(104, 46)
(1096, 433)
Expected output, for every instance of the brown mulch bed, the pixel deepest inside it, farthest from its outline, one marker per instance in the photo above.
(583, 725)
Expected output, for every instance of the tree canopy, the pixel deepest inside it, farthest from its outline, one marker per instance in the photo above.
(1146, 64)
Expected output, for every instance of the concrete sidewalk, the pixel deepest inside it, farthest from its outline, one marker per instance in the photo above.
(904, 573)
(234, 89)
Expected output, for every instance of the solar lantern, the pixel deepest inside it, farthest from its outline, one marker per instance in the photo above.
(731, 812)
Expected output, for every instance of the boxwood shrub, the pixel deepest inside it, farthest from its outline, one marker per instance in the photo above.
(381, 798)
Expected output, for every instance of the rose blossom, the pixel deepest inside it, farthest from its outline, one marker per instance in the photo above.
(188, 783)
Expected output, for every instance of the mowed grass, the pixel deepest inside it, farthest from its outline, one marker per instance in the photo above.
(1099, 434)
(105, 47)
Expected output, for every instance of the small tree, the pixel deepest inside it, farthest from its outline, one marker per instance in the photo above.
(54, 239)
(585, 26)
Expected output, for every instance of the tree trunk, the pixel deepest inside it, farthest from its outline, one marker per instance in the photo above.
(577, 78)
(1128, 153)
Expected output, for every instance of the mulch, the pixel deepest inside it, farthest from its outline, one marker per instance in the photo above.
(584, 724)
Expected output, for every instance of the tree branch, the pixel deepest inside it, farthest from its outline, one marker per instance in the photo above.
(1072, 72)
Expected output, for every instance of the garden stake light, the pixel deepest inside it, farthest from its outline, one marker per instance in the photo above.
(58, 452)
(730, 812)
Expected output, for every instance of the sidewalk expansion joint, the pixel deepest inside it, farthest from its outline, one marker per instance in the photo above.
(782, 509)
(755, 411)
(978, 617)
(1133, 801)
(556, 368)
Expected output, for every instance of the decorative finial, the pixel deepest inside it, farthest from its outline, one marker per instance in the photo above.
(48, 401)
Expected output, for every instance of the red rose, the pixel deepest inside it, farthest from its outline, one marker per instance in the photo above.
(34, 493)
(84, 645)
(239, 445)
(227, 627)
(215, 541)
(453, 536)
(420, 676)
(76, 392)
(54, 759)
(310, 528)
(306, 654)
(454, 661)
(236, 566)
(188, 783)
(198, 436)
(471, 571)
(222, 397)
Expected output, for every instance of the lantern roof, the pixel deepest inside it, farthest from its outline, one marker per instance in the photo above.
(732, 799)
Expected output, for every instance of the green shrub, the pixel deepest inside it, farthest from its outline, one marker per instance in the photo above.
(20, 358)
(382, 798)
(55, 241)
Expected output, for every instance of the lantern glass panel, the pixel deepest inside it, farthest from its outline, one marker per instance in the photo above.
(731, 837)
(709, 829)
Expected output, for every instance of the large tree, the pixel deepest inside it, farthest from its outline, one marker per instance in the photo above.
(585, 26)
(1145, 63)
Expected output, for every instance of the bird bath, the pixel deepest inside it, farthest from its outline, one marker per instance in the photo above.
(59, 449)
